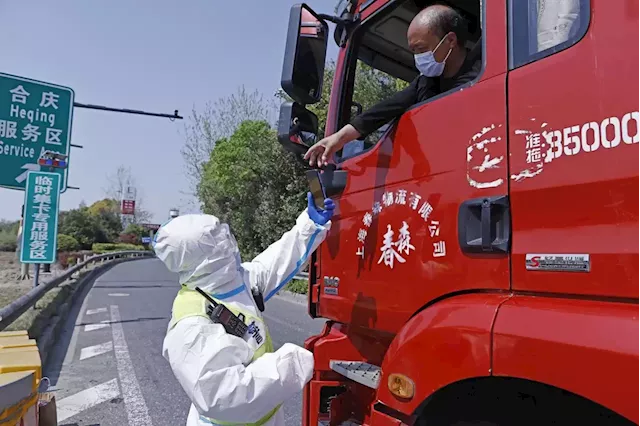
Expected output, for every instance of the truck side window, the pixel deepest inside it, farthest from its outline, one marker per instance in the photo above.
(539, 28)
(370, 85)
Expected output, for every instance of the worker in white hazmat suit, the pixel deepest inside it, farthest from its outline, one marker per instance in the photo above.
(234, 380)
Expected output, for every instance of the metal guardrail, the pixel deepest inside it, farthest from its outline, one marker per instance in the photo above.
(12, 311)
(302, 276)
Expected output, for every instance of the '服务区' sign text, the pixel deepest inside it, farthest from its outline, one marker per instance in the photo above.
(34, 117)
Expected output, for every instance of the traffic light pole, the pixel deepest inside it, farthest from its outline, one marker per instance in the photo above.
(174, 116)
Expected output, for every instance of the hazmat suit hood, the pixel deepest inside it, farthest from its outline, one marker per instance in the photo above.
(201, 250)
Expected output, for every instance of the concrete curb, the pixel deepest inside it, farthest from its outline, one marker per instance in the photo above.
(47, 339)
(301, 299)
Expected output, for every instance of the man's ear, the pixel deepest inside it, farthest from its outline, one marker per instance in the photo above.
(451, 40)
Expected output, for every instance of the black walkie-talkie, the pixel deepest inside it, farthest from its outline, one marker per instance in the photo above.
(220, 314)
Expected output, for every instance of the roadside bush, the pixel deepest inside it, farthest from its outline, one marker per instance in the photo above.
(128, 239)
(9, 235)
(298, 286)
(136, 230)
(66, 259)
(67, 243)
(8, 241)
(100, 248)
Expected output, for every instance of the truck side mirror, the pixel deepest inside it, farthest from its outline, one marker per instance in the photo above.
(297, 128)
(305, 53)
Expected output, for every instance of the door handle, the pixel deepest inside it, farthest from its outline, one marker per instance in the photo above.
(484, 225)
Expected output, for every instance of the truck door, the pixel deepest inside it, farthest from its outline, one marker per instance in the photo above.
(573, 141)
(424, 212)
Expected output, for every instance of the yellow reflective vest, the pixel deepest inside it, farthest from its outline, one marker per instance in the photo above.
(189, 303)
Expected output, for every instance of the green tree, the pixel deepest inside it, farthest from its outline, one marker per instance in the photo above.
(247, 179)
(219, 120)
(82, 226)
(252, 184)
(107, 213)
(107, 205)
(137, 231)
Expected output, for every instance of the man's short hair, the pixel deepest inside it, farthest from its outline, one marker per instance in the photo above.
(449, 20)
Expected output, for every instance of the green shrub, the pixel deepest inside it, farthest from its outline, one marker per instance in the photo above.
(8, 241)
(100, 248)
(298, 286)
(67, 243)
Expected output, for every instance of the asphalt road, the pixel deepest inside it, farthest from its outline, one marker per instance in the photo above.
(108, 369)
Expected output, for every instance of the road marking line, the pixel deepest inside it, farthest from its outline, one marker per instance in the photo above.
(91, 327)
(118, 294)
(71, 351)
(96, 311)
(283, 323)
(74, 404)
(95, 350)
(137, 411)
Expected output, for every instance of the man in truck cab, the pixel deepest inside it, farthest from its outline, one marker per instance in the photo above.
(436, 36)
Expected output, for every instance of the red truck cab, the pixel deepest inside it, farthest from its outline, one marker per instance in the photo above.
(482, 265)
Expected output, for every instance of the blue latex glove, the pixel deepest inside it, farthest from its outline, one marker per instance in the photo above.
(320, 217)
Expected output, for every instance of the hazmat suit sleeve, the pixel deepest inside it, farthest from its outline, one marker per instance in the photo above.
(210, 366)
(281, 261)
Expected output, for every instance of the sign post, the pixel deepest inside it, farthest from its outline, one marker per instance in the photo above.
(34, 117)
(40, 226)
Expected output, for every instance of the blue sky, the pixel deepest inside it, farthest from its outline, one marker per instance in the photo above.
(156, 55)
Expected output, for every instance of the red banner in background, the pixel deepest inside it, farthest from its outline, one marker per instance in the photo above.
(128, 206)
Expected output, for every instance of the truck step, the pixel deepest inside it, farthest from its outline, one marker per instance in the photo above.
(347, 423)
(361, 372)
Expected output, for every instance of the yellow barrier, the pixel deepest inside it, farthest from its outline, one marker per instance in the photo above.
(15, 341)
(20, 375)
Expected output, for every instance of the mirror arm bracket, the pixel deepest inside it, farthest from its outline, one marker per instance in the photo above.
(345, 25)
(334, 19)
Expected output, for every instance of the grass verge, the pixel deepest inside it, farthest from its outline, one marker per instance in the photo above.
(36, 319)
(298, 286)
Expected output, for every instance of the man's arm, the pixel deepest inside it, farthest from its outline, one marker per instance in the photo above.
(210, 366)
(364, 124)
(384, 111)
(282, 260)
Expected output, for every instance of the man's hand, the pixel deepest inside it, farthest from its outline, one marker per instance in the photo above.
(320, 217)
(321, 153)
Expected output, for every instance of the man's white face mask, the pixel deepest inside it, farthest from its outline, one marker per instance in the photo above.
(426, 62)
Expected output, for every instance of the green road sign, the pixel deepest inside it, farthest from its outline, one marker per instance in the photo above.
(34, 117)
(40, 223)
